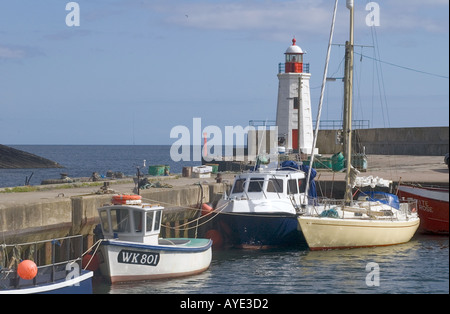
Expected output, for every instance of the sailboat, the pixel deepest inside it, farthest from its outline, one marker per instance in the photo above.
(367, 221)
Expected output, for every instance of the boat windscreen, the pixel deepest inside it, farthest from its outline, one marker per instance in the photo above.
(238, 186)
(275, 186)
(255, 185)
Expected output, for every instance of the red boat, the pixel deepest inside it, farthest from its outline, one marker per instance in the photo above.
(432, 203)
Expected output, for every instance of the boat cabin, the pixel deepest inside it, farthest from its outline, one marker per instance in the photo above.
(135, 223)
(274, 184)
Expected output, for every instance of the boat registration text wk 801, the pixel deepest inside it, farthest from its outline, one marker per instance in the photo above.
(140, 258)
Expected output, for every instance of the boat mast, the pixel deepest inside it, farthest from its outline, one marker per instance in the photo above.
(348, 93)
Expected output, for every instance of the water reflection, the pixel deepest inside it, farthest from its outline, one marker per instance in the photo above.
(419, 266)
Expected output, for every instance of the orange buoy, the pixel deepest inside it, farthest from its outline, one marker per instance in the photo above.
(215, 236)
(206, 209)
(123, 199)
(27, 269)
(90, 262)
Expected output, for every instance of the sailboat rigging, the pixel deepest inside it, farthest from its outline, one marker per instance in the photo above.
(319, 112)
(348, 223)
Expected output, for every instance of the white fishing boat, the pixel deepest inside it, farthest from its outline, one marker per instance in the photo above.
(261, 210)
(132, 250)
(352, 223)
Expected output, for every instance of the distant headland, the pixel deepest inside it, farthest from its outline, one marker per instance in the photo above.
(11, 158)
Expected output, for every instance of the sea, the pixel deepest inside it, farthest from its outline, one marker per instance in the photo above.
(420, 266)
(82, 160)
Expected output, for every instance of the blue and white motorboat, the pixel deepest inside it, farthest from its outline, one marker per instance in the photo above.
(262, 208)
(131, 249)
(62, 274)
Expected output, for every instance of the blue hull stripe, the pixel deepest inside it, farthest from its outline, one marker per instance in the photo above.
(184, 249)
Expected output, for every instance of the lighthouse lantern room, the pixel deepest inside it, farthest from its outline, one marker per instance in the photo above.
(294, 59)
(294, 117)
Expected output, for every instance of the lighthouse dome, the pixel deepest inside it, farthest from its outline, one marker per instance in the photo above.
(294, 49)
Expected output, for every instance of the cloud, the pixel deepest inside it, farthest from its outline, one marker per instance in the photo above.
(263, 17)
(310, 17)
(430, 16)
(68, 34)
(11, 52)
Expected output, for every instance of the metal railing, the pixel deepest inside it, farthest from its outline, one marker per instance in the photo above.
(50, 256)
(324, 124)
(337, 124)
(257, 123)
(282, 67)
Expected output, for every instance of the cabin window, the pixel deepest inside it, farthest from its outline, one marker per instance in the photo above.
(302, 185)
(238, 186)
(157, 220)
(149, 221)
(255, 185)
(275, 186)
(137, 215)
(104, 219)
(292, 186)
(120, 220)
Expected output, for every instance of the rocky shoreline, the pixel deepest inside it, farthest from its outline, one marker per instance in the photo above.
(11, 158)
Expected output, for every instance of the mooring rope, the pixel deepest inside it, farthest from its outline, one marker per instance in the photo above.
(95, 251)
(216, 212)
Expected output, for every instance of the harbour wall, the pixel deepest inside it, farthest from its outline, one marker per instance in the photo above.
(426, 141)
(58, 217)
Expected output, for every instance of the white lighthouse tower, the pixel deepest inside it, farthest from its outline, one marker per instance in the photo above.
(294, 116)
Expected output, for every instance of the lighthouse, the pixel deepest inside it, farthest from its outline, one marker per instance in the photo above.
(294, 116)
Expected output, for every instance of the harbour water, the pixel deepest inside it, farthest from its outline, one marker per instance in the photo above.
(420, 266)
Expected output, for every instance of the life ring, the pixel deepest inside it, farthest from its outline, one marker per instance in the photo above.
(126, 199)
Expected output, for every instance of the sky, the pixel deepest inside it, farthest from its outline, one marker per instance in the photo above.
(132, 70)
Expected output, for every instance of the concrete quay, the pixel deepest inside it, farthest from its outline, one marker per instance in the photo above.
(54, 212)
